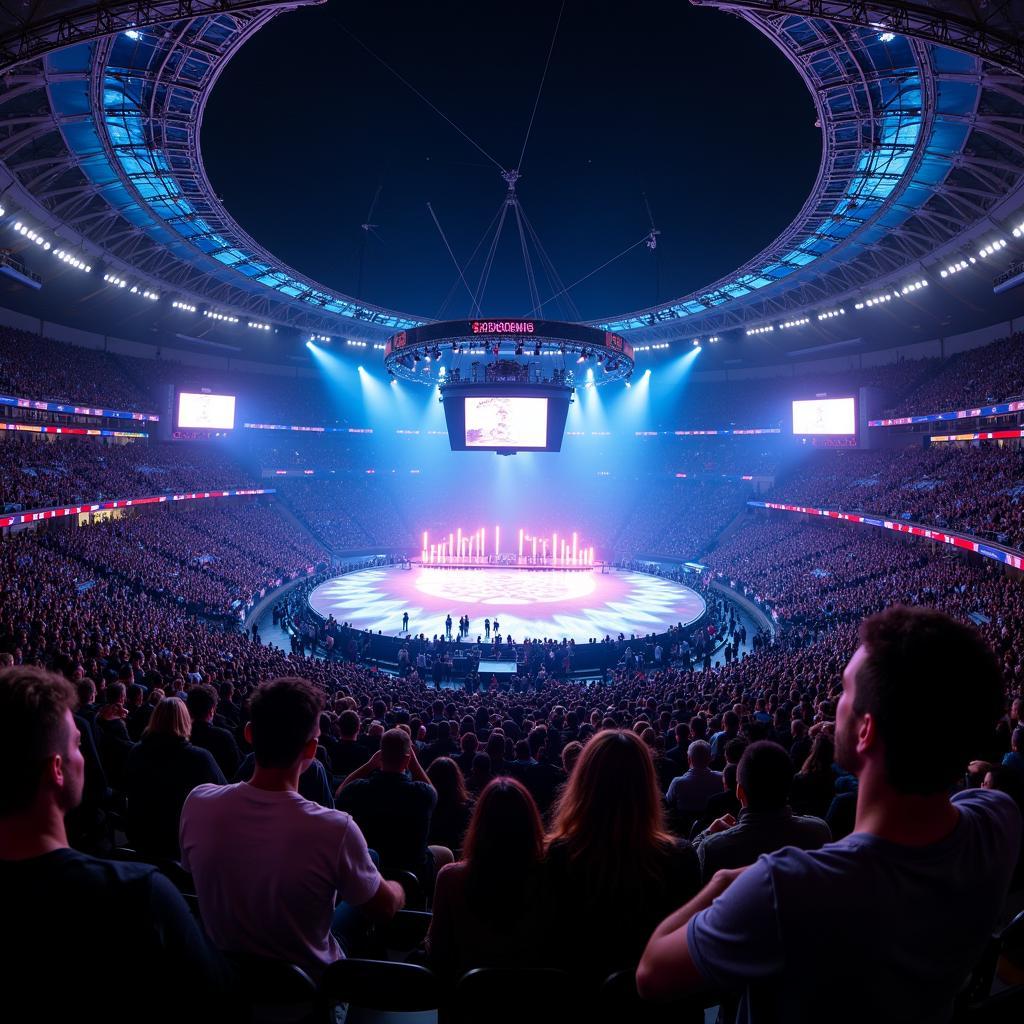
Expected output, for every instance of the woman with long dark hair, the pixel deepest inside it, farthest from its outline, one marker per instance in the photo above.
(612, 870)
(815, 785)
(483, 905)
(451, 814)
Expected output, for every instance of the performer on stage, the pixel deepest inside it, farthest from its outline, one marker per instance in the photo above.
(405, 622)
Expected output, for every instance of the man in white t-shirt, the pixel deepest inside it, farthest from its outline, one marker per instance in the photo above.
(886, 923)
(269, 865)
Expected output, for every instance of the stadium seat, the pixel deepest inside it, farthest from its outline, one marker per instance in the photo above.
(505, 995)
(619, 1001)
(380, 985)
(274, 990)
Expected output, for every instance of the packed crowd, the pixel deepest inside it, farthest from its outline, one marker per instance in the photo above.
(585, 829)
(211, 561)
(980, 376)
(32, 366)
(975, 489)
(38, 473)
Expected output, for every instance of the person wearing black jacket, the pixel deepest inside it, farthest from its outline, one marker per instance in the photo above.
(202, 706)
(130, 914)
(162, 769)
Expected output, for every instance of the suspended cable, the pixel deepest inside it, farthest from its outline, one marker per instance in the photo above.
(469, 262)
(488, 263)
(415, 91)
(595, 270)
(540, 88)
(565, 300)
(531, 281)
(440, 231)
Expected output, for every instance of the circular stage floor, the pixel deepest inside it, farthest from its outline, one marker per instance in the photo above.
(527, 603)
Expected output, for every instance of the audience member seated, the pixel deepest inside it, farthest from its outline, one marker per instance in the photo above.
(202, 706)
(765, 822)
(785, 932)
(611, 870)
(454, 807)
(123, 919)
(815, 784)
(394, 809)
(689, 793)
(270, 865)
(485, 906)
(162, 769)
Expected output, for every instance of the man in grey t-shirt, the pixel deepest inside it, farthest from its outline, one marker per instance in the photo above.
(886, 923)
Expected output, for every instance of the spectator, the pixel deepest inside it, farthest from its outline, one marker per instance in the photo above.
(451, 814)
(202, 705)
(689, 793)
(485, 905)
(394, 809)
(765, 822)
(240, 842)
(815, 785)
(784, 932)
(127, 912)
(162, 769)
(611, 870)
(349, 753)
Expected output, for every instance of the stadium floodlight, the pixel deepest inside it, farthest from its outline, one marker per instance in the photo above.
(1018, 231)
(258, 325)
(992, 248)
(186, 307)
(72, 261)
(955, 268)
(766, 329)
(831, 314)
(320, 337)
(796, 323)
(713, 339)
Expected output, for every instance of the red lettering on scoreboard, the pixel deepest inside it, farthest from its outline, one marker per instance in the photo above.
(501, 326)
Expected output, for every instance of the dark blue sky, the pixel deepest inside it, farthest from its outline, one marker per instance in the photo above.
(692, 106)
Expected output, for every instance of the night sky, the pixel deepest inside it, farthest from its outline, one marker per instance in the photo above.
(693, 107)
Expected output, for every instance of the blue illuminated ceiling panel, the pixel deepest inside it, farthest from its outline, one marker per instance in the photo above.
(886, 149)
(142, 95)
(898, 118)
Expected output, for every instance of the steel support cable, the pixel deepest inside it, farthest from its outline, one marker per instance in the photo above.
(469, 262)
(440, 231)
(553, 275)
(540, 88)
(596, 270)
(531, 281)
(488, 263)
(380, 60)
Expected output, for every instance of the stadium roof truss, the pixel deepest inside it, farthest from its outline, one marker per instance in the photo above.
(921, 111)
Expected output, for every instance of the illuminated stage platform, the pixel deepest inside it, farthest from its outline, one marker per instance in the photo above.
(510, 567)
(528, 602)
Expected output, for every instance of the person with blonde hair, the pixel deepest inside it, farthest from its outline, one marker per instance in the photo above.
(611, 869)
(161, 770)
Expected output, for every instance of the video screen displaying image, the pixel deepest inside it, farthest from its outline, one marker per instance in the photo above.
(825, 416)
(501, 422)
(206, 412)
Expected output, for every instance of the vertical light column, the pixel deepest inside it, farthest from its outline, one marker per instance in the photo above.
(423, 557)
(497, 541)
(459, 549)
(521, 544)
(573, 547)
(591, 556)
(554, 548)
(432, 546)
(535, 550)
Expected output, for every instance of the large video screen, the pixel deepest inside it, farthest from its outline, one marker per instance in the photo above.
(500, 421)
(830, 417)
(205, 412)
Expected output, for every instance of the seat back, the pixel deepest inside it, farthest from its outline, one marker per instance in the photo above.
(618, 1000)
(381, 985)
(509, 995)
(266, 982)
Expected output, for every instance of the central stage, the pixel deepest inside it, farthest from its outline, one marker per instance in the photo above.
(529, 603)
